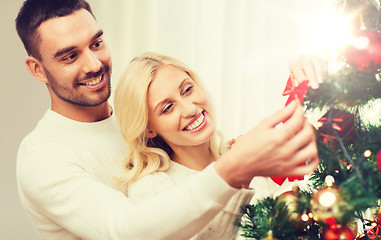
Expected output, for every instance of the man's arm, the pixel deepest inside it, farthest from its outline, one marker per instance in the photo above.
(66, 193)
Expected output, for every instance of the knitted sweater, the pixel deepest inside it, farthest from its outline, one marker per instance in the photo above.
(67, 174)
(222, 227)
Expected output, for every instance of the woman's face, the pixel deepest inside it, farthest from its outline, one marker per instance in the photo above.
(179, 110)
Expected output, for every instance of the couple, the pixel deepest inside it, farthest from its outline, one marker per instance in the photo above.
(69, 168)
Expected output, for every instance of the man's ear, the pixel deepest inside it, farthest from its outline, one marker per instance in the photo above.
(34, 66)
(150, 133)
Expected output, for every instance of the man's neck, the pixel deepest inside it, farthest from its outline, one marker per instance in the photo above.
(84, 114)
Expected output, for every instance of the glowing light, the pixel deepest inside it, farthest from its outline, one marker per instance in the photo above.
(327, 199)
(329, 180)
(331, 32)
(361, 42)
(319, 124)
(305, 217)
(367, 153)
(328, 33)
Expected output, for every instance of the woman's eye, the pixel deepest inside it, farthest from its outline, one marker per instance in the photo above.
(167, 108)
(188, 90)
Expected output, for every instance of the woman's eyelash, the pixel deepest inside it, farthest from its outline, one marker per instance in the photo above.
(188, 89)
(167, 108)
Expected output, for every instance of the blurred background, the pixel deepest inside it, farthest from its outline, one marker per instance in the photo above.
(241, 50)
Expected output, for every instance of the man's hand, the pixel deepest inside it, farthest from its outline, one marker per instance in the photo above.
(272, 149)
(311, 68)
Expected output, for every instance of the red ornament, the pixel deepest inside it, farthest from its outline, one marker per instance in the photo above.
(338, 233)
(372, 231)
(378, 159)
(342, 121)
(296, 93)
(365, 54)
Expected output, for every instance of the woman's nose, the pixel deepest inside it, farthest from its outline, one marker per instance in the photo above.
(189, 109)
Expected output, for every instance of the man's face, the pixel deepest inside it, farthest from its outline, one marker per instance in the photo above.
(75, 60)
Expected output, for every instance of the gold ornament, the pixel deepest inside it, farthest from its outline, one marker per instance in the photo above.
(327, 205)
(291, 201)
(270, 236)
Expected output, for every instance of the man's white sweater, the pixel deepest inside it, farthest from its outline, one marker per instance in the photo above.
(68, 178)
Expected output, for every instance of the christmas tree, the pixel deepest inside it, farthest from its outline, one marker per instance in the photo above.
(344, 199)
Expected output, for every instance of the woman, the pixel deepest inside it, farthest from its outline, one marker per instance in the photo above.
(171, 133)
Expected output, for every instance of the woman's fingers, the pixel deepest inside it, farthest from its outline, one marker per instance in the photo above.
(311, 68)
(280, 115)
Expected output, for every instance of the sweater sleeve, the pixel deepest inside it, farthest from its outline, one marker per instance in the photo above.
(52, 183)
(149, 186)
(222, 226)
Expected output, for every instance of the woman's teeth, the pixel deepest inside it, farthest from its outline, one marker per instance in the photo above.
(196, 123)
(94, 82)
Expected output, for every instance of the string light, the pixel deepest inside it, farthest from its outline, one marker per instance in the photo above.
(367, 153)
(329, 180)
(305, 217)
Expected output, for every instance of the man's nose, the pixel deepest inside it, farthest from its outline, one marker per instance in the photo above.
(91, 62)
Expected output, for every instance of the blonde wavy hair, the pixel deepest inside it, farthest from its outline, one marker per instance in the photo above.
(145, 156)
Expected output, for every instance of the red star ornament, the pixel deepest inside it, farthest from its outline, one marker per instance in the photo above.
(296, 93)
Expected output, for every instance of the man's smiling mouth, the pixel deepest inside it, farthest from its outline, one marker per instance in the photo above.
(93, 82)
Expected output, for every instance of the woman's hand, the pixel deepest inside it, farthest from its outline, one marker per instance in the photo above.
(282, 144)
(311, 68)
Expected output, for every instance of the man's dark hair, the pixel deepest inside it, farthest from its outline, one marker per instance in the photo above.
(35, 12)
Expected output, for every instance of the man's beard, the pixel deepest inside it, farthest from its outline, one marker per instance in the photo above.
(70, 95)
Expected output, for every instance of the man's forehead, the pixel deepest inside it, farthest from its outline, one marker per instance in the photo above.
(77, 28)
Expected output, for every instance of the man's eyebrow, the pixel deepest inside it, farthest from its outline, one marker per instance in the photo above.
(97, 35)
(68, 49)
(63, 51)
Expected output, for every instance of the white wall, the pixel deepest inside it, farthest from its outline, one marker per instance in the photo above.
(23, 101)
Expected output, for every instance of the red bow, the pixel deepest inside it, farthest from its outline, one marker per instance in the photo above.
(296, 93)
(334, 122)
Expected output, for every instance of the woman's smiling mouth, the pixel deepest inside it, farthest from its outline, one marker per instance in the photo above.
(197, 124)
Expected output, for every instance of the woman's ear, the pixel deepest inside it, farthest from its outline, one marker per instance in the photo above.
(150, 133)
(35, 68)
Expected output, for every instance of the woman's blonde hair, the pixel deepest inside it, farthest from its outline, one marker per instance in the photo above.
(145, 156)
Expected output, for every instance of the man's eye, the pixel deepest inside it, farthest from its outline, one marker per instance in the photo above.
(70, 57)
(97, 44)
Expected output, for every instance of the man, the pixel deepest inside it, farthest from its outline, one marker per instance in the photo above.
(69, 167)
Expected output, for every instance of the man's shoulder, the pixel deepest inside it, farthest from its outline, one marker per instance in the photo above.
(42, 133)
